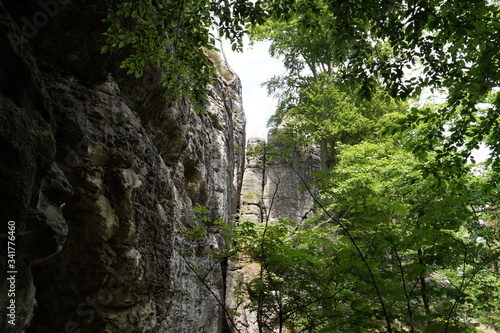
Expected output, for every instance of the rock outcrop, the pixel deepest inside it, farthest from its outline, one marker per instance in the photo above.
(274, 180)
(273, 188)
(100, 175)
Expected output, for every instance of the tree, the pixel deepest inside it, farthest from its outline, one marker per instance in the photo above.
(327, 115)
(388, 241)
(315, 98)
(406, 238)
(290, 292)
(363, 43)
(392, 248)
(412, 228)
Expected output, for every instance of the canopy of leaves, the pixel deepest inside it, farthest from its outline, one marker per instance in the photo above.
(387, 241)
(324, 112)
(362, 43)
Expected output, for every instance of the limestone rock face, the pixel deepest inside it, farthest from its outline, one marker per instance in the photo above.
(284, 193)
(274, 179)
(272, 189)
(100, 174)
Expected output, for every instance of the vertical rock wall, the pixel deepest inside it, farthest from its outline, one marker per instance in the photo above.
(274, 178)
(100, 174)
(272, 189)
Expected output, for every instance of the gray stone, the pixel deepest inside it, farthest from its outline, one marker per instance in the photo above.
(271, 190)
(104, 173)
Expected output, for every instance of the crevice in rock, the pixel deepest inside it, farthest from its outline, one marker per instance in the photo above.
(263, 208)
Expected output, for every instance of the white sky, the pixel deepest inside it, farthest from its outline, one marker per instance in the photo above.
(255, 66)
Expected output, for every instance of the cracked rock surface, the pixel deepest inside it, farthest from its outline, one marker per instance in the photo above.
(101, 173)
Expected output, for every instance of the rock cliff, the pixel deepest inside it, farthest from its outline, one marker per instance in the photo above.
(100, 174)
(273, 189)
(274, 179)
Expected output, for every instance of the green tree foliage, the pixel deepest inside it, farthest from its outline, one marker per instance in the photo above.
(365, 43)
(391, 249)
(293, 284)
(421, 231)
(173, 34)
(325, 114)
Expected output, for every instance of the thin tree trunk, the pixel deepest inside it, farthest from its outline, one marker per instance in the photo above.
(491, 293)
(423, 286)
(323, 154)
